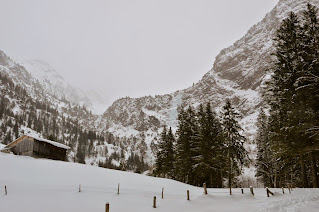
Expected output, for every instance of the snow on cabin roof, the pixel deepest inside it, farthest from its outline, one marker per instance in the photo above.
(51, 142)
(44, 140)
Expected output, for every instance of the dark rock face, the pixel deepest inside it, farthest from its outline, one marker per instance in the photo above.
(238, 74)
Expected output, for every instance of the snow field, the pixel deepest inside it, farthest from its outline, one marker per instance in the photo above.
(38, 185)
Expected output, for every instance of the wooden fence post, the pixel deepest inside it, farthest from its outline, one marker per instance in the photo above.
(154, 202)
(289, 189)
(118, 188)
(269, 192)
(242, 191)
(283, 190)
(162, 193)
(252, 190)
(79, 187)
(205, 189)
(5, 190)
(107, 207)
(187, 194)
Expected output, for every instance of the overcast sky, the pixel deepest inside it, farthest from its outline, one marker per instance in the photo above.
(127, 48)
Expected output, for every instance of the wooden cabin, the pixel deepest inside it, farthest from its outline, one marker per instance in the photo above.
(38, 147)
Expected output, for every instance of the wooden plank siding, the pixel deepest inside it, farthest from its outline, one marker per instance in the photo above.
(24, 146)
(46, 150)
(30, 146)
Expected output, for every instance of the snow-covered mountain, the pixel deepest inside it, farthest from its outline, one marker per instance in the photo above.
(32, 102)
(55, 84)
(238, 73)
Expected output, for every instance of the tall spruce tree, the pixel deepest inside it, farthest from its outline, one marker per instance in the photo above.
(169, 154)
(233, 141)
(293, 99)
(187, 135)
(160, 153)
(308, 88)
(283, 105)
(166, 154)
(207, 160)
(266, 161)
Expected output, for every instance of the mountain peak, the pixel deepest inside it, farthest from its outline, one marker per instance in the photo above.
(41, 70)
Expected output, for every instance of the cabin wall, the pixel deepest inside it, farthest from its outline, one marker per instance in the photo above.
(24, 147)
(46, 150)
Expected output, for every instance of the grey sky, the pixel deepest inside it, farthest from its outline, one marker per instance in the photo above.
(127, 48)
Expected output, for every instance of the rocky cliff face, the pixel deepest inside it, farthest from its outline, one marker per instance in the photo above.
(238, 73)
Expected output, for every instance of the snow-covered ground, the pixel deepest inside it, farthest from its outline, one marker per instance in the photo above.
(2, 146)
(38, 185)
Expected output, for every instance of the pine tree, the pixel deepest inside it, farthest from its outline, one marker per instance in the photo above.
(284, 113)
(266, 160)
(293, 98)
(236, 153)
(16, 130)
(308, 87)
(187, 135)
(80, 154)
(207, 163)
(160, 157)
(169, 154)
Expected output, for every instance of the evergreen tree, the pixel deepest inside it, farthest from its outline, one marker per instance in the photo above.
(308, 89)
(16, 130)
(293, 99)
(187, 134)
(233, 141)
(160, 153)
(266, 160)
(207, 161)
(169, 154)
(80, 154)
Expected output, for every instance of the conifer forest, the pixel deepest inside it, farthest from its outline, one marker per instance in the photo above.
(208, 148)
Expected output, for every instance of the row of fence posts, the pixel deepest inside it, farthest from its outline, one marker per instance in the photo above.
(242, 191)
(107, 206)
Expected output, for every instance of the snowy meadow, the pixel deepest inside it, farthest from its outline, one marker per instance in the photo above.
(36, 185)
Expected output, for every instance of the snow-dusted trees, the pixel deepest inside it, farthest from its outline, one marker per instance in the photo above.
(233, 141)
(266, 163)
(293, 94)
(208, 148)
(308, 77)
(166, 154)
(205, 151)
(187, 135)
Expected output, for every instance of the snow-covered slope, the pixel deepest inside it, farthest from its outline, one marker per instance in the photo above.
(238, 73)
(55, 84)
(35, 102)
(37, 185)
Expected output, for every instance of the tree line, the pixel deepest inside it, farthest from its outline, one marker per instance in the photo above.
(205, 149)
(288, 128)
(68, 125)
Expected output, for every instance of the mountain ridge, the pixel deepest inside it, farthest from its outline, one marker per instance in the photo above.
(238, 73)
(55, 84)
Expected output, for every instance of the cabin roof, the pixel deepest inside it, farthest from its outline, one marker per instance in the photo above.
(40, 139)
